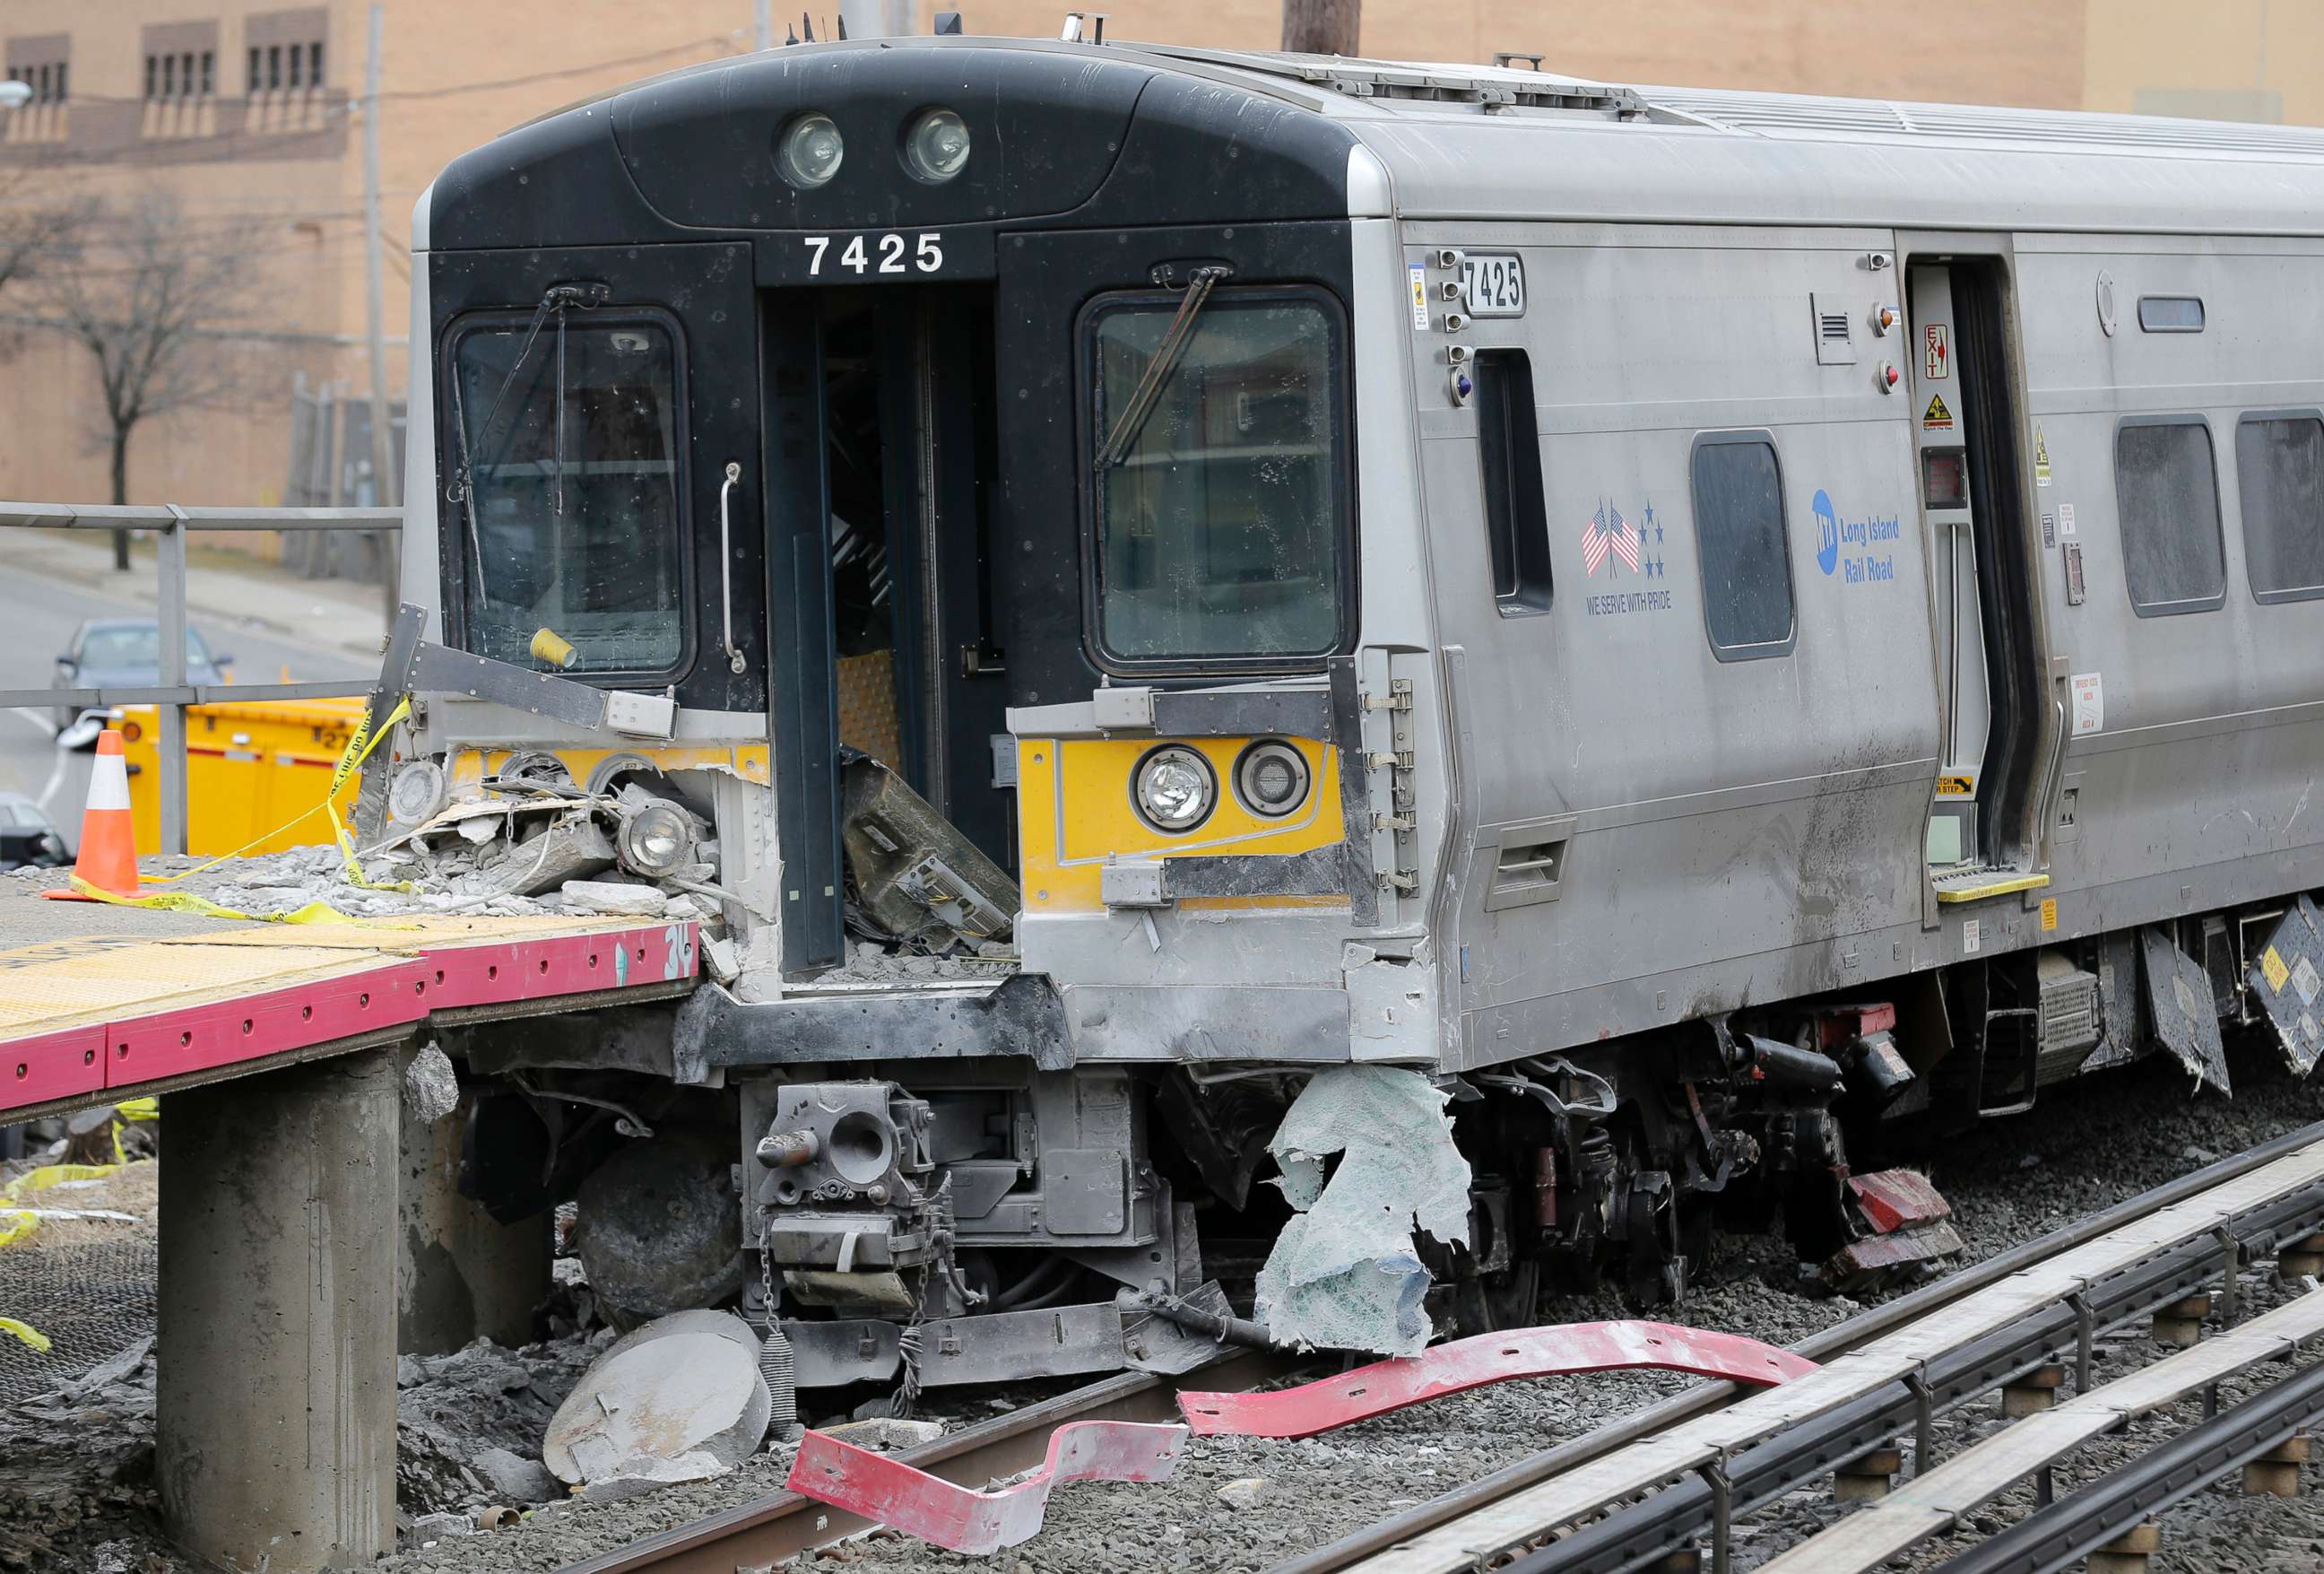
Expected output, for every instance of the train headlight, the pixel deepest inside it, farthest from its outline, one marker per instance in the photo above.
(1174, 788)
(936, 148)
(810, 150)
(1271, 779)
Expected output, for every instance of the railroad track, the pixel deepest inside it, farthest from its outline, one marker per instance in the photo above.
(782, 1524)
(1673, 1478)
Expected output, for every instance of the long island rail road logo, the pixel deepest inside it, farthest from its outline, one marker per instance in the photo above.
(1860, 551)
(1618, 546)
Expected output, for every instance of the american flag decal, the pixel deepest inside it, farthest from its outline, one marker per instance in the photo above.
(1607, 530)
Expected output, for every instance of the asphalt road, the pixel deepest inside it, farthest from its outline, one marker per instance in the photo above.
(38, 617)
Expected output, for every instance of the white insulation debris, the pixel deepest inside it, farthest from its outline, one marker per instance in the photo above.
(1346, 1272)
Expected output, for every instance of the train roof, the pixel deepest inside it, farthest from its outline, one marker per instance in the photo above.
(1423, 140)
(1448, 137)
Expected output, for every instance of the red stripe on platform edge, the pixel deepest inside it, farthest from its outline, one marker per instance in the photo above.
(55, 1065)
(223, 1033)
(531, 969)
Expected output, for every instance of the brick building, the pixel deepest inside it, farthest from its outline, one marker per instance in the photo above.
(245, 120)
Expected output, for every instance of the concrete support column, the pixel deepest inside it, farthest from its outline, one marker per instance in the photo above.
(275, 1414)
(459, 1273)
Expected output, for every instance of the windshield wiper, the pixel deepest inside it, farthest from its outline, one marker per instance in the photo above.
(558, 299)
(1160, 369)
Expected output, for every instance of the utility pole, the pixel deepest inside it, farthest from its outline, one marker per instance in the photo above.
(765, 29)
(382, 441)
(1322, 27)
(878, 18)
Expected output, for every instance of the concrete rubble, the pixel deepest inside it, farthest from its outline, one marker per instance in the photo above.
(1346, 1272)
(677, 1400)
(430, 1086)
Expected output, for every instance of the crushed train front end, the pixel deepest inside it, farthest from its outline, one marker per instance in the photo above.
(945, 454)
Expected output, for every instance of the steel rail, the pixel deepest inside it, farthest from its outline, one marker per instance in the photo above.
(1705, 1398)
(2053, 1537)
(782, 1524)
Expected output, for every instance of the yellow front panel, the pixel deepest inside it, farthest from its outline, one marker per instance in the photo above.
(1073, 803)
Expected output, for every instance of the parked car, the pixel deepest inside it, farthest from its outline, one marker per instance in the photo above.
(125, 652)
(28, 837)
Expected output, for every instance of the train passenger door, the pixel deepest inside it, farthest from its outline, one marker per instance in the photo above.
(1973, 505)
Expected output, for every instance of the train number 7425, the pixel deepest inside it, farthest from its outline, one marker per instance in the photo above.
(876, 253)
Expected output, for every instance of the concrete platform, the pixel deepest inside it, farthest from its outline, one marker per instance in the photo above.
(100, 1003)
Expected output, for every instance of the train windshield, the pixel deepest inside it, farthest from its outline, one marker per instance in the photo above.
(574, 538)
(1218, 522)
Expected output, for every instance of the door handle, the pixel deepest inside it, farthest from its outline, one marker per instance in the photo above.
(726, 568)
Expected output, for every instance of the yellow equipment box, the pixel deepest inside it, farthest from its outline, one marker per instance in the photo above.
(250, 768)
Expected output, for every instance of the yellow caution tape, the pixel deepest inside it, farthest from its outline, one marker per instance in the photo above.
(139, 1109)
(26, 1332)
(16, 1226)
(360, 744)
(187, 902)
(49, 1175)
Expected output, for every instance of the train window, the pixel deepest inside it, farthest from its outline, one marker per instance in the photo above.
(2167, 497)
(1745, 550)
(570, 440)
(1516, 517)
(1219, 501)
(2280, 471)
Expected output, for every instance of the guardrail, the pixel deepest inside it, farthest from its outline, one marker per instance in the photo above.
(169, 523)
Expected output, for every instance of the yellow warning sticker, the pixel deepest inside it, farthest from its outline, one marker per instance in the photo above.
(2272, 968)
(2041, 459)
(1956, 786)
(1937, 417)
(2050, 912)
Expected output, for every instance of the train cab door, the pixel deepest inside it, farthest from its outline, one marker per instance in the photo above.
(1973, 505)
(881, 624)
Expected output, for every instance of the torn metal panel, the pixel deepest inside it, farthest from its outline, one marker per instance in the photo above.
(1496, 1358)
(1346, 1272)
(891, 1493)
(1391, 1003)
(2179, 998)
(2288, 977)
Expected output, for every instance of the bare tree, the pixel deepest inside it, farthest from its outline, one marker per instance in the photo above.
(1322, 27)
(37, 229)
(146, 296)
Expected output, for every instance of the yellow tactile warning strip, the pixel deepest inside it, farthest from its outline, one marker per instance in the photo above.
(62, 983)
(408, 936)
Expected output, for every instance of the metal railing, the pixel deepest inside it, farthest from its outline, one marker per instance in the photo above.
(169, 523)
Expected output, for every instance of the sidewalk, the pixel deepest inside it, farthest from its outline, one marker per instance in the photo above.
(323, 615)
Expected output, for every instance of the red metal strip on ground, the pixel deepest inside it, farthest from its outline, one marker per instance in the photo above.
(198, 1038)
(1472, 1363)
(891, 1493)
(1892, 1198)
(54, 1065)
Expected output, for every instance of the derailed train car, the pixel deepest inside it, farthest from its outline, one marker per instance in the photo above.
(1138, 581)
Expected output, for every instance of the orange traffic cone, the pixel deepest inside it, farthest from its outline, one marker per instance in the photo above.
(108, 840)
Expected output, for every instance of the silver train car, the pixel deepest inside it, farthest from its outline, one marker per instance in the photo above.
(1712, 627)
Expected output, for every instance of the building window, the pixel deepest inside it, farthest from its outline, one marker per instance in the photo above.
(258, 82)
(209, 73)
(2167, 497)
(274, 68)
(1744, 547)
(2279, 478)
(1517, 516)
(314, 64)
